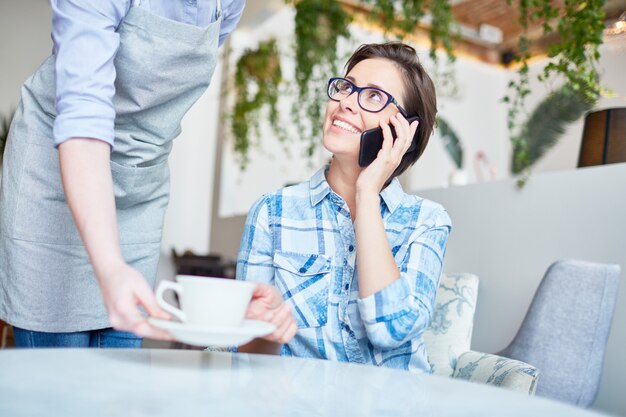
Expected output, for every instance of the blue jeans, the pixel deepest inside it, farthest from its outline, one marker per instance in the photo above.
(102, 338)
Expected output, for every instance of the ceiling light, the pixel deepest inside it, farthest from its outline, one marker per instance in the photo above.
(615, 33)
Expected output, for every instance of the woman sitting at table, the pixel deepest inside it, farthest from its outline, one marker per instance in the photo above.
(356, 258)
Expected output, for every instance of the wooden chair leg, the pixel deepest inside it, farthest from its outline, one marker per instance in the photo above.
(6, 335)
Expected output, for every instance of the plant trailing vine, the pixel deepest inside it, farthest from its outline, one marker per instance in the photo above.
(319, 24)
(574, 56)
(257, 69)
(451, 142)
(402, 17)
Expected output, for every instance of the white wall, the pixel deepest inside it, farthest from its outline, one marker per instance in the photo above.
(509, 237)
(479, 119)
(24, 43)
(188, 218)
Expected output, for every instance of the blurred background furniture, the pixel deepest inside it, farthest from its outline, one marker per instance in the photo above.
(210, 265)
(6, 335)
(449, 336)
(566, 329)
(604, 138)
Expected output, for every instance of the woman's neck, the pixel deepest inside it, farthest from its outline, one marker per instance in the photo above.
(342, 179)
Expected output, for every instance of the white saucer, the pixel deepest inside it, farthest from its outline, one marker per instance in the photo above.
(214, 335)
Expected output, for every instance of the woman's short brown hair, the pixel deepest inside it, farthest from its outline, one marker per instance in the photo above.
(419, 95)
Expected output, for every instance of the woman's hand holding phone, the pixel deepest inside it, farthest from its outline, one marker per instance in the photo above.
(372, 141)
(389, 156)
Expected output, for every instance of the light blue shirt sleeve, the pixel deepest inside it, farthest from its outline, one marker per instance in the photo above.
(255, 257)
(402, 310)
(232, 14)
(85, 45)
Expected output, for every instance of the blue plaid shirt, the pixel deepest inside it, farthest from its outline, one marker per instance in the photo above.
(301, 239)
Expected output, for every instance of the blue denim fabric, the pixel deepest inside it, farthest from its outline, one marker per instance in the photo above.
(102, 338)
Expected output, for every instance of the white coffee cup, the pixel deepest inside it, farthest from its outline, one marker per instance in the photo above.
(207, 301)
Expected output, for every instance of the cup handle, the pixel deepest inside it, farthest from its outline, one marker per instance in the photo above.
(177, 288)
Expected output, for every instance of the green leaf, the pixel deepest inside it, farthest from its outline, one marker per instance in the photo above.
(259, 67)
(546, 125)
(451, 142)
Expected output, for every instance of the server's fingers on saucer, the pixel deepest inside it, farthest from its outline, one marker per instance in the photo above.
(147, 331)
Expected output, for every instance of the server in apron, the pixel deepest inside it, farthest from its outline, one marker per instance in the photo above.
(85, 179)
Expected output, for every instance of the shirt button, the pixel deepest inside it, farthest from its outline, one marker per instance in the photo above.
(345, 287)
(351, 248)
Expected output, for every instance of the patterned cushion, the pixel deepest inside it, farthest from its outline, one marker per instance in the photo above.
(450, 331)
(497, 370)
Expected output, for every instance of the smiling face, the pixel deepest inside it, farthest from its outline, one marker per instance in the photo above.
(346, 120)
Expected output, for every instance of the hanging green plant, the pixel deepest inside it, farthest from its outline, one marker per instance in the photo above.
(401, 18)
(257, 80)
(451, 142)
(441, 29)
(442, 32)
(5, 124)
(574, 56)
(319, 24)
(545, 126)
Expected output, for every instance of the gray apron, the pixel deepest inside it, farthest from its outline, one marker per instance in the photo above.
(46, 280)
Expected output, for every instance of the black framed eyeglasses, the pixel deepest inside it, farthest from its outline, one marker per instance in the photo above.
(370, 99)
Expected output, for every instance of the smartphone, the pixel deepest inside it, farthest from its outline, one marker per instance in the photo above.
(372, 141)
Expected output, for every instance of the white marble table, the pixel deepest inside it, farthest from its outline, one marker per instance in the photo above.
(133, 383)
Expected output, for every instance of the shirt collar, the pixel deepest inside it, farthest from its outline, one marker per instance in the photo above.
(318, 187)
(393, 195)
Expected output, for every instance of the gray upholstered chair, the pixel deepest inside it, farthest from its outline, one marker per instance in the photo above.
(449, 336)
(566, 328)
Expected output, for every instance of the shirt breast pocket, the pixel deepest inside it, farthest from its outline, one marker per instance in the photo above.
(303, 281)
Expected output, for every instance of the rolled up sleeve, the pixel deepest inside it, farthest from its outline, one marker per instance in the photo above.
(401, 311)
(85, 45)
(232, 15)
